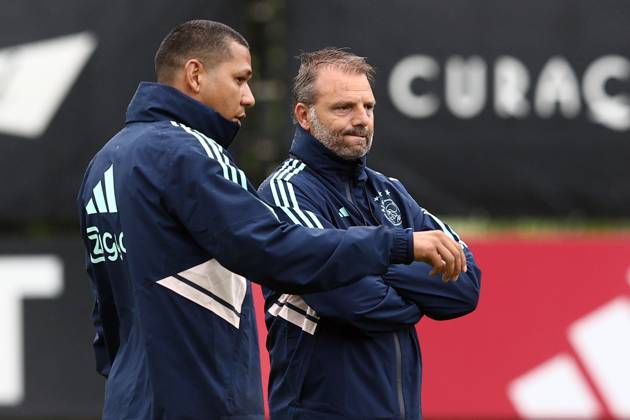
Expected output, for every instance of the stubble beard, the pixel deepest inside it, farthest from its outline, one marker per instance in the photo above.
(333, 140)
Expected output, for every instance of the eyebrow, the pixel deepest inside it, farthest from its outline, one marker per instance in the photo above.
(351, 103)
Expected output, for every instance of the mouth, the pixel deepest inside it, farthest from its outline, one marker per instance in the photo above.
(239, 118)
(355, 136)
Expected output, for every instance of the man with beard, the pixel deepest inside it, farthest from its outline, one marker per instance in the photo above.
(171, 225)
(351, 353)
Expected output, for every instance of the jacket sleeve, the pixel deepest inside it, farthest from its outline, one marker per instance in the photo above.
(369, 304)
(213, 200)
(436, 299)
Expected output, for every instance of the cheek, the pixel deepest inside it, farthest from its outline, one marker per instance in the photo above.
(338, 124)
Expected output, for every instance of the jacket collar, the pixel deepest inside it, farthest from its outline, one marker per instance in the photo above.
(158, 102)
(318, 157)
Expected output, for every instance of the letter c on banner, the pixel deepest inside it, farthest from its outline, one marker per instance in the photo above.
(403, 74)
(610, 111)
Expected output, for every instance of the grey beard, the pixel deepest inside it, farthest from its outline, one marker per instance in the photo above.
(333, 141)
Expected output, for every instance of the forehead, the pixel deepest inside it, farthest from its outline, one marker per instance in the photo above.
(239, 58)
(333, 84)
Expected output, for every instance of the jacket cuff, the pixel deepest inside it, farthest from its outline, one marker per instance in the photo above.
(402, 247)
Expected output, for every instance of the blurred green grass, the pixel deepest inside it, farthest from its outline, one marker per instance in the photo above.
(536, 227)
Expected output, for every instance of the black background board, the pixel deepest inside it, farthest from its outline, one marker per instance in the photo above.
(39, 178)
(60, 379)
(486, 165)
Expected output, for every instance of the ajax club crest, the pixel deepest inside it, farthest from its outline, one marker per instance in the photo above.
(389, 208)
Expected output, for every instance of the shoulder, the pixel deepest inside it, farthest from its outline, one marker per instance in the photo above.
(289, 176)
(387, 182)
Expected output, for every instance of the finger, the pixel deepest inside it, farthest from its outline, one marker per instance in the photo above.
(460, 258)
(436, 261)
(448, 256)
(464, 261)
(438, 267)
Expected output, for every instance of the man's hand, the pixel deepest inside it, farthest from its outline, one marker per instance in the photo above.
(436, 248)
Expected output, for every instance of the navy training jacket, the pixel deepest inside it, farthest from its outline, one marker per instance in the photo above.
(352, 352)
(171, 225)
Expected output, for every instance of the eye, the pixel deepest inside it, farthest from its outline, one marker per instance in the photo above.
(344, 107)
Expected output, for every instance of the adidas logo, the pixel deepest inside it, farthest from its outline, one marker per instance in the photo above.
(343, 212)
(591, 379)
(103, 206)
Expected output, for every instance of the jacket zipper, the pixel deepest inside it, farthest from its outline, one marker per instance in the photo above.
(349, 192)
(399, 385)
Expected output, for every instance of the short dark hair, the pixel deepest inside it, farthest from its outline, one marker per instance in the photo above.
(337, 58)
(205, 40)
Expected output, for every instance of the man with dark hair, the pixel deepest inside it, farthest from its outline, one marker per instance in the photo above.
(352, 352)
(171, 225)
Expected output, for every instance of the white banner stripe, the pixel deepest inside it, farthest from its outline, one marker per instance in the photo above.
(200, 299)
(602, 341)
(554, 390)
(109, 190)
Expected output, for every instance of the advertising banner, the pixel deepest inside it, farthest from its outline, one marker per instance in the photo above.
(550, 337)
(491, 108)
(65, 83)
(47, 367)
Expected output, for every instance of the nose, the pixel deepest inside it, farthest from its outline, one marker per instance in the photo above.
(247, 100)
(361, 117)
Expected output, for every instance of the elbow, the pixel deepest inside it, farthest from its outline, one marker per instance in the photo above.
(465, 304)
(472, 300)
(469, 294)
(469, 302)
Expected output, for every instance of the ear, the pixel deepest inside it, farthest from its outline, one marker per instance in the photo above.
(301, 115)
(193, 71)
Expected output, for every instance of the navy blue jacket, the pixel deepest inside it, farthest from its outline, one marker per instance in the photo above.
(171, 226)
(352, 353)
